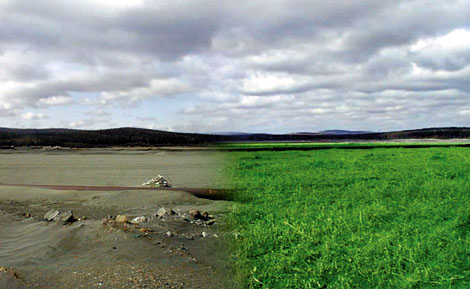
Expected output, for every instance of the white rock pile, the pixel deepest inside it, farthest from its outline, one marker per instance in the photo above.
(158, 181)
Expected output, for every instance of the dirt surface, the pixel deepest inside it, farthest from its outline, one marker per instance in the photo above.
(174, 250)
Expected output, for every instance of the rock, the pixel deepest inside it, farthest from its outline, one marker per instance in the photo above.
(145, 230)
(161, 212)
(56, 216)
(169, 234)
(203, 234)
(158, 181)
(138, 220)
(190, 237)
(67, 217)
(194, 212)
(51, 215)
(210, 222)
(26, 215)
(198, 216)
(121, 219)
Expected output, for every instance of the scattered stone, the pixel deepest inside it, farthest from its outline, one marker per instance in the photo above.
(190, 237)
(121, 219)
(67, 217)
(169, 234)
(210, 222)
(26, 215)
(10, 271)
(196, 214)
(203, 234)
(51, 215)
(161, 212)
(138, 220)
(146, 230)
(158, 181)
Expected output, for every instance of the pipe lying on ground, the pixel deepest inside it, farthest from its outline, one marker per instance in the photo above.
(206, 193)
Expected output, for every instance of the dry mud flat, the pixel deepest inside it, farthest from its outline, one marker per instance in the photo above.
(172, 249)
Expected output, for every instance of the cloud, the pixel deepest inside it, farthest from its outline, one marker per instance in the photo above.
(55, 100)
(33, 116)
(155, 87)
(238, 65)
(465, 112)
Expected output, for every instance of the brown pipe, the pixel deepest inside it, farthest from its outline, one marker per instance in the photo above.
(206, 193)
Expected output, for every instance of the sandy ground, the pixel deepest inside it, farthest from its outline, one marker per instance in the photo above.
(175, 251)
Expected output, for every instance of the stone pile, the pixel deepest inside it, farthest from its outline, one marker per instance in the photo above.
(158, 181)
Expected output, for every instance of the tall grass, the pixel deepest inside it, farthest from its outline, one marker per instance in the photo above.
(382, 218)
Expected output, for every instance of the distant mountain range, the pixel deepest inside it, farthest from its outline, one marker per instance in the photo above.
(324, 132)
(229, 133)
(334, 132)
(129, 136)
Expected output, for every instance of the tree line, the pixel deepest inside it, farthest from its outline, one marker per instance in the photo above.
(146, 137)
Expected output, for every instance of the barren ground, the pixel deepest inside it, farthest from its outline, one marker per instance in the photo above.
(175, 251)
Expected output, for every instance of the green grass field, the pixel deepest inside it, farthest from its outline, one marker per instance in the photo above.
(327, 145)
(380, 218)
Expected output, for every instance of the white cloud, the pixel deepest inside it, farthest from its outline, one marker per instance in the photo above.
(33, 116)
(274, 83)
(465, 112)
(55, 100)
(155, 88)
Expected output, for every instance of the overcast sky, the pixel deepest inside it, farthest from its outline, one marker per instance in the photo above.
(255, 66)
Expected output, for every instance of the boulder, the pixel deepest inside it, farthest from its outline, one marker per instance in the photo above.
(138, 220)
(210, 222)
(196, 214)
(161, 212)
(67, 217)
(121, 219)
(51, 215)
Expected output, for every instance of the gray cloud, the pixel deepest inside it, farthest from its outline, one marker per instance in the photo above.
(277, 65)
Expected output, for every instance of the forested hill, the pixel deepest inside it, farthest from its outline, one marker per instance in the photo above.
(148, 137)
(425, 133)
(101, 138)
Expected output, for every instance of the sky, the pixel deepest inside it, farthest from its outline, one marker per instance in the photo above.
(273, 66)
